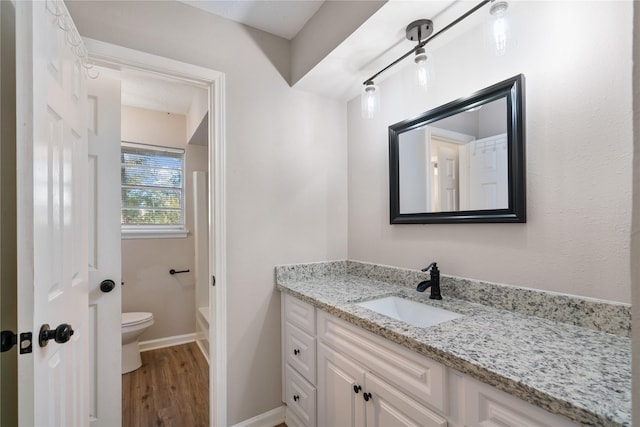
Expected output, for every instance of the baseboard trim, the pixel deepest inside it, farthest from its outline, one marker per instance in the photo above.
(167, 342)
(204, 352)
(267, 419)
(291, 420)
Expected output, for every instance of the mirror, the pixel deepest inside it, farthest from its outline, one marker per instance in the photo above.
(463, 161)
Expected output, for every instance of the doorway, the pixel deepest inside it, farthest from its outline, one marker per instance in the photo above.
(164, 137)
(119, 58)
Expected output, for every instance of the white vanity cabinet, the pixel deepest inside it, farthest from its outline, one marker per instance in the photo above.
(351, 396)
(393, 386)
(330, 365)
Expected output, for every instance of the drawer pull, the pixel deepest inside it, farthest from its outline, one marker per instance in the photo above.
(367, 396)
(356, 388)
(296, 351)
(296, 397)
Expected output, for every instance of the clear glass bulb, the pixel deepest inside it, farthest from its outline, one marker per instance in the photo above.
(370, 100)
(500, 27)
(422, 75)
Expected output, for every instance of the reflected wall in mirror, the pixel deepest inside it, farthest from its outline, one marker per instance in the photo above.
(463, 161)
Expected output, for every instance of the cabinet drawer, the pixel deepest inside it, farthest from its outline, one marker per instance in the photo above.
(300, 397)
(488, 406)
(300, 351)
(413, 374)
(300, 314)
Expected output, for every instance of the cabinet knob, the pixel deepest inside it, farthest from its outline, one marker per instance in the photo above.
(296, 397)
(356, 388)
(367, 396)
(296, 351)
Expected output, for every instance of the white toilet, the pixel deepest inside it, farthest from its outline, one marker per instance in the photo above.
(133, 324)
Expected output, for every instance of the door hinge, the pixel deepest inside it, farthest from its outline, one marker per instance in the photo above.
(213, 280)
(9, 339)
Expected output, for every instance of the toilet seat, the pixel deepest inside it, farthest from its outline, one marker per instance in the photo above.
(135, 318)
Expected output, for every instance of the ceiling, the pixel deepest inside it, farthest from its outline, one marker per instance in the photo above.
(153, 92)
(284, 18)
(375, 44)
(380, 40)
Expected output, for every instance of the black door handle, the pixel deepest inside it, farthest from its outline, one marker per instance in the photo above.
(61, 334)
(367, 396)
(107, 285)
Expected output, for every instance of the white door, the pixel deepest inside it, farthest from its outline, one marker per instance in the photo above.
(104, 253)
(388, 407)
(488, 173)
(52, 239)
(448, 177)
(339, 403)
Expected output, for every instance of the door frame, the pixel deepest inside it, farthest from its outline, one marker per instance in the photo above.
(102, 53)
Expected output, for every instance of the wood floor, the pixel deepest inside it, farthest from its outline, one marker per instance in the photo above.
(171, 389)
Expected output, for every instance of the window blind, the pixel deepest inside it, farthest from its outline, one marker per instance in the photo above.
(152, 185)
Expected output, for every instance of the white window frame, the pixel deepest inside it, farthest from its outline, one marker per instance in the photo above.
(143, 231)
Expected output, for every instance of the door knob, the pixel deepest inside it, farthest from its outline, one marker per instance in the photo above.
(61, 334)
(107, 285)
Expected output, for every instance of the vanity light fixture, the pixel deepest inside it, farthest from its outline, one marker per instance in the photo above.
(498, 11)
(370, 100)
(418, 31)
(421, 68)
(421, 31)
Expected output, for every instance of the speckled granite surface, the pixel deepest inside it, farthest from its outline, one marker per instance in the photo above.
(598, 315)
(579, 373)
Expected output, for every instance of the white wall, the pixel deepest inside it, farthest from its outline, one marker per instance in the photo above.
(286, 171)
(576, 57)
(196, 118)
(414, 175)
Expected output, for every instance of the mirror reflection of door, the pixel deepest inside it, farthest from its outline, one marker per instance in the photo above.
(447, 182)
(447, 171)
(488, 178)
(458, 163)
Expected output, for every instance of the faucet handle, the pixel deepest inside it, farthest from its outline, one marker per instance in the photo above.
(433, 264)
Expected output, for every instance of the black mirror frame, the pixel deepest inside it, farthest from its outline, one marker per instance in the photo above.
(513, 90)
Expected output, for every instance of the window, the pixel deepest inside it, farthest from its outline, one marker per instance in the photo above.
(152, 182)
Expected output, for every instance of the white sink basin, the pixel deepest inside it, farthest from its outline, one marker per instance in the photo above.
(414, 313)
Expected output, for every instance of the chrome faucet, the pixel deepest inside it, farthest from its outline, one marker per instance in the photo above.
(433, 283)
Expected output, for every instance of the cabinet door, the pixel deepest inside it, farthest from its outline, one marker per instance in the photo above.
(388, 407)
(338, 402)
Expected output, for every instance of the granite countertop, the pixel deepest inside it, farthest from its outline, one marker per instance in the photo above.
(579, 373)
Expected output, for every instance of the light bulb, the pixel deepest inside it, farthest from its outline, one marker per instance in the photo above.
(421, 68)
(370, 100)
(499, 10)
